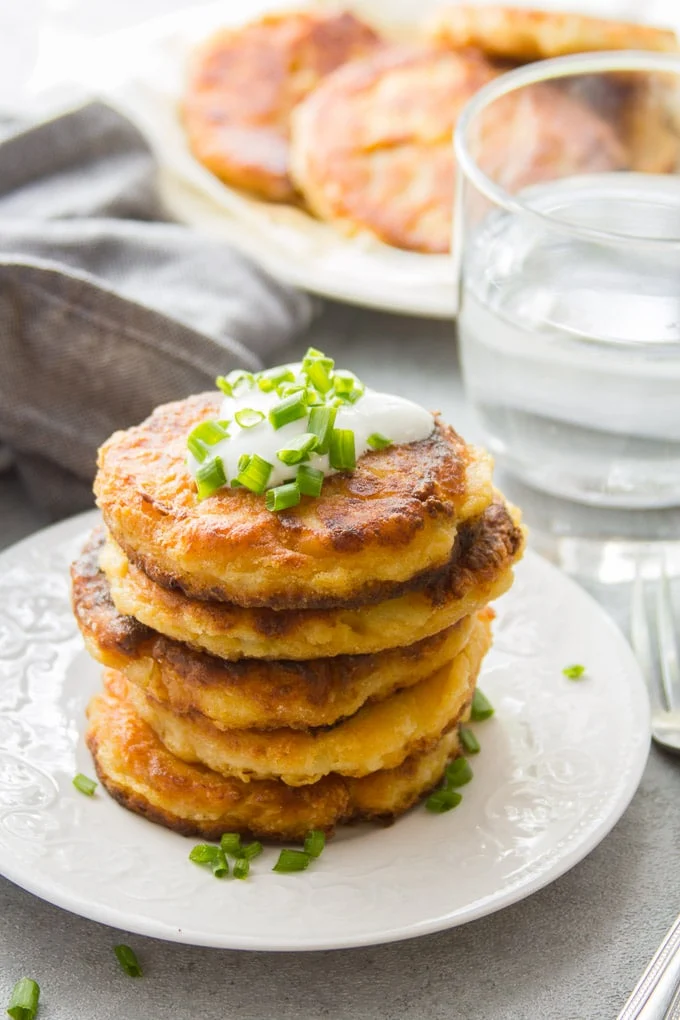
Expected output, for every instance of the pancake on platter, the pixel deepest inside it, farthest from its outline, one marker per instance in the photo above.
(488, 547)
(140, 773)
(371, 148)
(244, 83)
(378, 736)
(522, 35)
(390, 170)
(249, 693)
(370, 534)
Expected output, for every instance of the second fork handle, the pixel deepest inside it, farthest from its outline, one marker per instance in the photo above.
(652, 996)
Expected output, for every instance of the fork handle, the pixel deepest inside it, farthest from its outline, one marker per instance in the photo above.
(652, 996)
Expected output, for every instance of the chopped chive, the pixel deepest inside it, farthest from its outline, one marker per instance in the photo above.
(443, 800)
(458, 773)
(23, 1003)
(84, 784)
(243, 461)
(356, 393)
(251, 850)
(282, 497)
(128, 960)
(319, 373)
(241, 867)
(272, 378)
(255, 474)
(309, 480)
(203, 853)
(312, 354)
(321, 422)
(236, 380)
(469, 740)
(377, 441)
(574, 672)
(210, 477)
(313, 397)
(315, 841)
(205, 435)
(481, 707)
(248, 417)
(344, 382)
(287, 389)
(298, 448)
(292, 860)
(219, 865)
(341, 452)
(231, 843)
(288, 410)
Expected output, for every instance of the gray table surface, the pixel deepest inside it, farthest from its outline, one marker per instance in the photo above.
(570, 952)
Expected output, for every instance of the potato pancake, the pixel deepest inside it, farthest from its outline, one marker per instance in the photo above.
(244, 83)
(378, 736)
(140, 773)
(486, 549)
(371, 534)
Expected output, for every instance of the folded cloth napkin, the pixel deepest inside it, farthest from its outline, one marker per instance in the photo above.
(106, 308)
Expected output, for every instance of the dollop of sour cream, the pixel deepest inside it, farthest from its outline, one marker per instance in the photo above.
(395, 418)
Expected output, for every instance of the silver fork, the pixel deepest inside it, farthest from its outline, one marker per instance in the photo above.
(662, 671)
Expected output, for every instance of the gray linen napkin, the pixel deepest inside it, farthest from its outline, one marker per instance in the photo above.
(107, 310)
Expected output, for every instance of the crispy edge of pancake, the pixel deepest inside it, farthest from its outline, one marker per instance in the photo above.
(486, 551)
(524, 35)
(381, 175)
(144, 777)
(368, 533)
(378, 736)
(247, 693)
(241, 135)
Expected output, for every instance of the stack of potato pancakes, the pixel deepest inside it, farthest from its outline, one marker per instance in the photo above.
(272, 673)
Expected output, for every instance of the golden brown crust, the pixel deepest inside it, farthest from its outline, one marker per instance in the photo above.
(249, 693)
(378, 736)
(371, 147)
(486, 549)
(370, 531)
(245, 82)
(523, 35)
(144, 777)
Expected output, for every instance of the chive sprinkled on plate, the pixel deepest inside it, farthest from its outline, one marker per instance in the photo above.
(230, 843)
(574, 672)
(23, 1002)
(315, 841)
(84, 784)
(469, 740)
(481, 707)
(457, 773)
(292, 860)
(251, 850)
(443, 800)
(128, 960)
(241, 867)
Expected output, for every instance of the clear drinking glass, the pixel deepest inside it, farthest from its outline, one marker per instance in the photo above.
(567, 246)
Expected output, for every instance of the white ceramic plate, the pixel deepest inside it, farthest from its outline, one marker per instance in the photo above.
(142, 71)
(559, 763)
